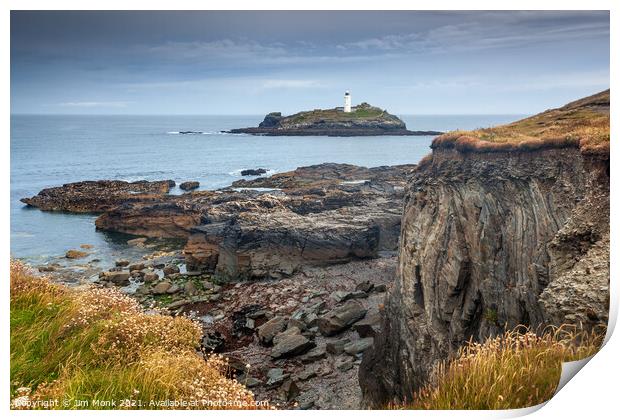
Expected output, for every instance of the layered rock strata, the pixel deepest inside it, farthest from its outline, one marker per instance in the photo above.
(490, 240)
(266, 227)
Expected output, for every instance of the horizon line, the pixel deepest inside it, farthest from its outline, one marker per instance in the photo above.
(242, 115)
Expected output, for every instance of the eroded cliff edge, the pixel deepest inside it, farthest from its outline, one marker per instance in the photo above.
(492, 237)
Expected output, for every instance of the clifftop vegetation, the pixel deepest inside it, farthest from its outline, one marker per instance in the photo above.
(515, 370)
(583, 123)
(90, 344)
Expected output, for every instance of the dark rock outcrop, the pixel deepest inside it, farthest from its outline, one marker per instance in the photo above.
(315, 215)
(97, 196)
(189, 185)
(490, 241)
(253, 172)
(323, 214)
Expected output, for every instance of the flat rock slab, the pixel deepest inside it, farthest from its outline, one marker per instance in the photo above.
(96, 196)
(340, 318)
(269, 329)
(291, 344)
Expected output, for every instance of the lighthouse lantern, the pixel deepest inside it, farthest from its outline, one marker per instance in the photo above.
(347, 101)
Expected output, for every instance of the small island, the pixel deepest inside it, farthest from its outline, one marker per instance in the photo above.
(361, 120)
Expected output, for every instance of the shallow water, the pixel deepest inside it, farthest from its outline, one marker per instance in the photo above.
(47, 151)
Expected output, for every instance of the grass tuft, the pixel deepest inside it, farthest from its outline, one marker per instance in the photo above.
(515, 370)
(92, 344)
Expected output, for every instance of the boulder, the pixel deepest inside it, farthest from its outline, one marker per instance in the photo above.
(369, 326)
(121, 263)
(189, 185)
(240, 318)
(190, 288)
(171, 269)
(290, 343)
(119, 278)
(275, 377)
(340, 318)
(136, 267)
(270, 329)
(150, 276)
(315, 354)
(380, 288)
(343, 296)
(161, 288)
(308, 373)
(289, 390)
(365, 286)
(73, 254)
(336, 347)
(47, 268)
(178, 304)
(175, 288)
(253, 172)
(212, 342)
(248, 381)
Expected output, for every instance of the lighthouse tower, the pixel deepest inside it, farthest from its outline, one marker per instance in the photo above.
(347, 101)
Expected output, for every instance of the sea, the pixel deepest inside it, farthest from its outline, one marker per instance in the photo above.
(51, 150)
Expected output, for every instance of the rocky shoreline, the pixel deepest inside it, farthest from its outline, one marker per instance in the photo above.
(332, 132)
(261, 228)
(314, 279)
(286, 273)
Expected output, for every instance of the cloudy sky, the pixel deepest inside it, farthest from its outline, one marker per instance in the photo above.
(254, 62)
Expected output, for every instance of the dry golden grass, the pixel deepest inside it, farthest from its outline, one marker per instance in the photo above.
(515, 370)
(583, 123)
(96, 344)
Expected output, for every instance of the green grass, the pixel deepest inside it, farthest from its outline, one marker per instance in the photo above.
(96, 344)
(363, 111)
(491, 315)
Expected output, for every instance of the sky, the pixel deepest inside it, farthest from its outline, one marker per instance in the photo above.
(221, 63)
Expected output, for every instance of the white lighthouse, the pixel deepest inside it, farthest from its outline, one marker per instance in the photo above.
(347, 101)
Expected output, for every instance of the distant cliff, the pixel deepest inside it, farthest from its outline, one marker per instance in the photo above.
(364, 120)
(501, 227)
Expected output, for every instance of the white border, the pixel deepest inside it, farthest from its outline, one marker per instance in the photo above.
(593, 394)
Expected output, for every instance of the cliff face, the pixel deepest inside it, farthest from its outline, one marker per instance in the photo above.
(491, 240)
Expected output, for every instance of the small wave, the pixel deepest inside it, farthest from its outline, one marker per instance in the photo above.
(187, 133)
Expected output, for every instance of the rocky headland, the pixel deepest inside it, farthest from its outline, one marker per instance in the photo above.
(287, 273)
(501, 227)
(340, 286)
(363, 120)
